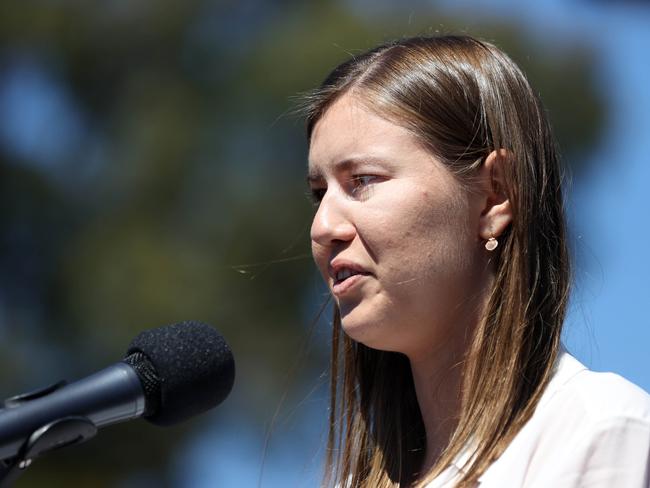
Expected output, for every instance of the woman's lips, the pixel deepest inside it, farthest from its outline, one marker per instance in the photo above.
(340, 288)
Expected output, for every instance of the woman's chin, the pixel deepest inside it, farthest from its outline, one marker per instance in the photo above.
(360, 330)
(370, 333)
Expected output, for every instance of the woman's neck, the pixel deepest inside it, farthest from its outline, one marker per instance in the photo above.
(437, 381)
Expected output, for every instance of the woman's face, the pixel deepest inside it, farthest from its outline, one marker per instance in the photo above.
(395, 235)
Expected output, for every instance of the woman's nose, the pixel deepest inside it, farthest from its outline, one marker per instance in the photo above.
(331, 223)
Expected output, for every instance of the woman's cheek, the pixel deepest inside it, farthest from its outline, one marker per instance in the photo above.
(320, 258)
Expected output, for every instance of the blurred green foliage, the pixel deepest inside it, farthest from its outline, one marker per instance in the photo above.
(182, 195)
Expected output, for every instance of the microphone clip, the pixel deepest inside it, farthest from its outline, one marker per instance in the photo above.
(53, 435)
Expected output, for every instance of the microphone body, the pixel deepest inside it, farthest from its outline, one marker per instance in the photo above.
(111, 395)
(170, 374)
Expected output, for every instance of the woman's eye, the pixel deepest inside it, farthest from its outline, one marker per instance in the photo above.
(361, 183)
(317, 195)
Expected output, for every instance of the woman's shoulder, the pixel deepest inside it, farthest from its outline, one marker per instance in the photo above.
(589, 428)
(593, 397)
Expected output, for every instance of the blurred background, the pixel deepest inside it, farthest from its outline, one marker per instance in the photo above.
(151, 171)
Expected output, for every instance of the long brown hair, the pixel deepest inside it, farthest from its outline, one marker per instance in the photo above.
(462, 98)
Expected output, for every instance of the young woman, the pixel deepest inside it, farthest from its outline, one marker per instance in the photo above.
(440, 231)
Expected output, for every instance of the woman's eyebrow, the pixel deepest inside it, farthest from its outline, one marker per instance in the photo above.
(315, 174)
(344, 166)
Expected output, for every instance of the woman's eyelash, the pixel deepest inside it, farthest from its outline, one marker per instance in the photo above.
(361, 183)
(316, 194)
(363, 179)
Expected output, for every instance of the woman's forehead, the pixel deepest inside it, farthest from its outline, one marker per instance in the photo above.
(349, 132)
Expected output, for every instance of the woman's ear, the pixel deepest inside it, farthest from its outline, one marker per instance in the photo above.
(496, 215)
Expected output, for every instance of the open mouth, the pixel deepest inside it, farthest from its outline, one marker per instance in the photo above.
(345, 274)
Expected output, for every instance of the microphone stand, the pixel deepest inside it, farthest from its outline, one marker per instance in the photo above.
(58, 433)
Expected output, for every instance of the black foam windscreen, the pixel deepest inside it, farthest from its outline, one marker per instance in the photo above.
(195, 368)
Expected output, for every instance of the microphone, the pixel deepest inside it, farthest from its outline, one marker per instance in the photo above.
(169, 374)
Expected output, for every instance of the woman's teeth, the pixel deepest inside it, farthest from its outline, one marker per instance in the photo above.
(344, 274)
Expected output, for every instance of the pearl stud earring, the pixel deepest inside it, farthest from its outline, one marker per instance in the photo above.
(491, 244)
